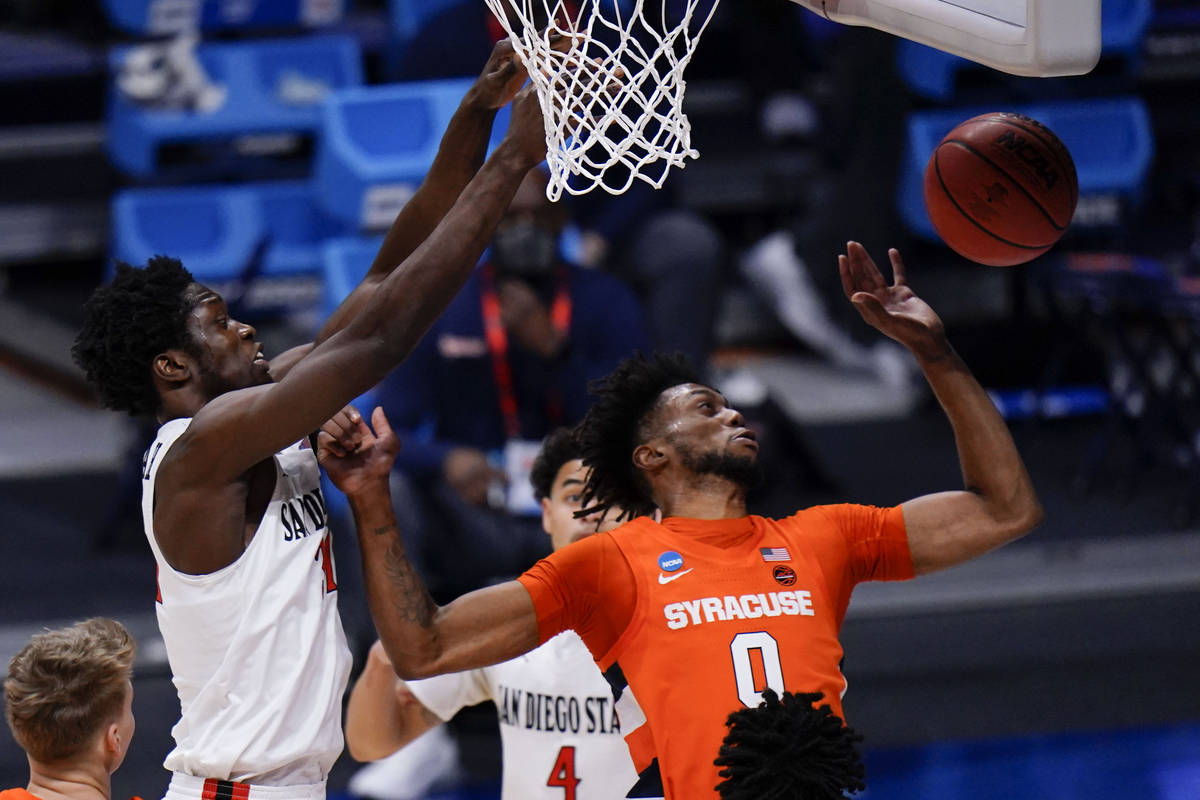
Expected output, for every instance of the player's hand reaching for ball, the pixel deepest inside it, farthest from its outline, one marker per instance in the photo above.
(354, 456)
(894, 310)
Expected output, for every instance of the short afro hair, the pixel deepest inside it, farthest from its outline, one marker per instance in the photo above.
(142, 313)
(558, 448)
(789, 749)
(616, 424)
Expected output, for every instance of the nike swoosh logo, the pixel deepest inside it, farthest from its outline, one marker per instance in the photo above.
(665, 579)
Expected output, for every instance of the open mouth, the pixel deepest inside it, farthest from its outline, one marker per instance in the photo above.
(259, 358)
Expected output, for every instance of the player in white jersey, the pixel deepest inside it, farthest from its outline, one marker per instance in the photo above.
(240, 713)
(231, 504)
(559, 730)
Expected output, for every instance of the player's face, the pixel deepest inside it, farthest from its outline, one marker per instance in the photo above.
(558, 510)
(230, 358)
(705, 433)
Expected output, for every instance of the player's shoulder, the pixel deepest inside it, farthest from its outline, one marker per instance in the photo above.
(630, 529)
(821, 516)
(828, 510)
(208, 428)
(17, 794)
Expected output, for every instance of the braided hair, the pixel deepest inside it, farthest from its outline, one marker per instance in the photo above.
(617, 423)
(142, 313)
(788, 749)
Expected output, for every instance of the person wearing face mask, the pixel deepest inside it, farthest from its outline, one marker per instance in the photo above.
(508, 362)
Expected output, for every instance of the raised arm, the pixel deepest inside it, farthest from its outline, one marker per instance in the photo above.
(421, 638)
(998, 503)
(239, 429)
(459, 157)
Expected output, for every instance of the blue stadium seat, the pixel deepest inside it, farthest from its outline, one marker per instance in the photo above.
(1111, 141)
(931, 72)
(253, 73)
(216, 230)
(156, 17)
(378, 142)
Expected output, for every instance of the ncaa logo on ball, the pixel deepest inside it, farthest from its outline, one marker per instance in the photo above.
(670, 561)
(784, 575)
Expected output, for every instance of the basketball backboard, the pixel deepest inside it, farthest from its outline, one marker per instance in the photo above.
(1041, 38)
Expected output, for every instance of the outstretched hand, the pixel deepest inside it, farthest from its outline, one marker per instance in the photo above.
(353, 455)
(503, 75)
(894, 310)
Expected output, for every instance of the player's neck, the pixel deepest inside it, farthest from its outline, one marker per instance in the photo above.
(180, 403)
(85, 782)
(704, 497)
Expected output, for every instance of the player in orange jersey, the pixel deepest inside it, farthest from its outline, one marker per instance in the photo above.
(69, 700)
(695, 616)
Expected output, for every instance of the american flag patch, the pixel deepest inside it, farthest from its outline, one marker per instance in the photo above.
(775, 554)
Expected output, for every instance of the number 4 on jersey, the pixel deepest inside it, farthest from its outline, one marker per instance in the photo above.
(563, 773)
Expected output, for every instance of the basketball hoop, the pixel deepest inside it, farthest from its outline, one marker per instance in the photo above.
(620, 117)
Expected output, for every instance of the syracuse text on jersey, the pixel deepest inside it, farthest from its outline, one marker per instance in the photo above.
(730, 607)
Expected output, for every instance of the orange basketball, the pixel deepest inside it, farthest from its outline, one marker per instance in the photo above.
(1001, 189)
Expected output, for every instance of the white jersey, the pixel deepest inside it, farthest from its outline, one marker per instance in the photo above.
(558, 725)
(256, 649)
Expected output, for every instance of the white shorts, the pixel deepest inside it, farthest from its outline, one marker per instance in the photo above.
(189, 787)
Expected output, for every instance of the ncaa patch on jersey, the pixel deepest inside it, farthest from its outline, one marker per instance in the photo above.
(670, 561)
(784, 575)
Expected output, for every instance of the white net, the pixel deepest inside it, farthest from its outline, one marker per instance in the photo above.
(613, 99)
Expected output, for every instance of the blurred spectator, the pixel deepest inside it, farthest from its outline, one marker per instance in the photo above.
(508, 361)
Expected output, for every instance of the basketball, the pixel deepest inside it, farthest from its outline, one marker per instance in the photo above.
(1001, 189)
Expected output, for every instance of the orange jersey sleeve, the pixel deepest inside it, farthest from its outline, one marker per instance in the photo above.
(855, 544)
(17, 794)
(587, 587)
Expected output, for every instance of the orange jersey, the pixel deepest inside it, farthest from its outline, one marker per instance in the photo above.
(691, 619)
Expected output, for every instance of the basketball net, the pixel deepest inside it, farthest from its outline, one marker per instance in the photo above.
(613, 102)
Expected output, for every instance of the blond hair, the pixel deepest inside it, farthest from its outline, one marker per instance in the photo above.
(65, 685)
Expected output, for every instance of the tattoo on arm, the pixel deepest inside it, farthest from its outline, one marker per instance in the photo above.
(381, 530)
(410, 597)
